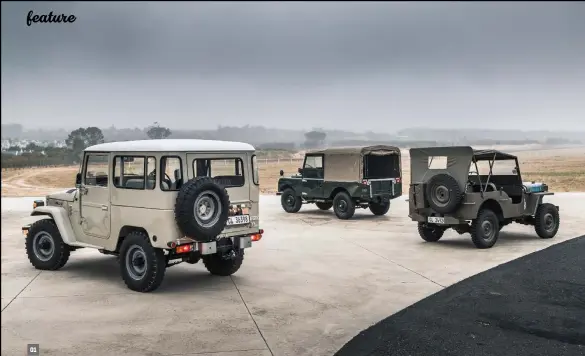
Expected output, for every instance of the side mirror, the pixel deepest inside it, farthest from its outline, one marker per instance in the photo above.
(78, 180)
(281, 172)
(300, 170)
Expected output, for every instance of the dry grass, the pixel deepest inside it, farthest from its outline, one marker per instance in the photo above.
(562, 170)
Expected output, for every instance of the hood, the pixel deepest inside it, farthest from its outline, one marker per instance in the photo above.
(66, 195)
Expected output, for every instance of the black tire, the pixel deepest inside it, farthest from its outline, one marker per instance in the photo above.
(142, 266)
(324, 206)
(379, 209)
(443, 193)
(198, 225)
(224, 263)
(430, 233)
(546, 221)
(343, 206)
(291, 203)
(45, 247)
(485, 230)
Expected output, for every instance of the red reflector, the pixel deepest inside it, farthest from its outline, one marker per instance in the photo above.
(398, 180)
(261, 231)
(365, 182)
(184, 248)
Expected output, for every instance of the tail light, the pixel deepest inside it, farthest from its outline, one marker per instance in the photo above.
(398, 180)
(184, 248)
(365, 182)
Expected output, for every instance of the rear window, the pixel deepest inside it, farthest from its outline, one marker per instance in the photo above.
(228, 172)
(381, 167)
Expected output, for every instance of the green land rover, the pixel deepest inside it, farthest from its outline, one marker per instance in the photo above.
(345, 178)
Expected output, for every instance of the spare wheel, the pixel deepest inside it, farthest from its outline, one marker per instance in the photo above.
(201, 209)
(443, 193)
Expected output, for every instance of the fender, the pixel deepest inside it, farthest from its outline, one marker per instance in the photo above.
(59, 216)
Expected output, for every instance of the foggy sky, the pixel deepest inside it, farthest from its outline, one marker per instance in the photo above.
(359, 66)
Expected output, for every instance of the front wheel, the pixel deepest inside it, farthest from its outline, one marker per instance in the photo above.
(546, 221)
(290, 202)
(45, 247)
(485, 230)
(141, 265)
(430, 233)
(379, 208)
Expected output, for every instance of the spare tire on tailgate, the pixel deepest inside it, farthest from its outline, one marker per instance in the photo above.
(201, 209)
(443, 193)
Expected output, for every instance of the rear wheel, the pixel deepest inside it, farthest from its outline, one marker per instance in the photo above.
(430, 233)
(290, 202)
(324, 206)
(343, 206)
(141, 265)
(485, 229)
(379, 208)
(546, 221)
(226, 261)
(45, 247)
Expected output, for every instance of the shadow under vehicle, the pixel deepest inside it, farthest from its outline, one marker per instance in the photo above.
(475, 191)
(345, 179)
(153, 203)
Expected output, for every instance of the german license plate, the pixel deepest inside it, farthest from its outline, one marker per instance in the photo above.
(436, 220)
(238, 220)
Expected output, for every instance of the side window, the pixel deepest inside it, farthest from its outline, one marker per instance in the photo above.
(171, 173)
(150, 173)
(314, 162)
(96, 170)
(228, 172)
(129, 172)
(313, 167)
(256, 174)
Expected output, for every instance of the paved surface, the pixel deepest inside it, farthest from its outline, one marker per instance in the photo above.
(534, 305)
(310, 285)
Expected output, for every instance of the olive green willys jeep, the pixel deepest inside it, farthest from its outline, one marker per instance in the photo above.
(475, 191)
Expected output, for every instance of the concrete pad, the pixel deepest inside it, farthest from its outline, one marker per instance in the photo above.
(310, 285)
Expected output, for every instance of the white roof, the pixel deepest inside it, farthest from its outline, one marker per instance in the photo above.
(171, 145)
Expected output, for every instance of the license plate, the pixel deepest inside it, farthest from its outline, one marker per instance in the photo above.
(238, 220)
(436, 220)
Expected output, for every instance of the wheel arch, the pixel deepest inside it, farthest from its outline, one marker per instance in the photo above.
(61, 219)
(494, 206)
(337, 191)
(127, 230)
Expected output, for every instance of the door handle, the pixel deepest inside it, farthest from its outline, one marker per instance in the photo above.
(104, 208)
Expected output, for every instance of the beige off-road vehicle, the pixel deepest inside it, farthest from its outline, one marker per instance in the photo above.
(153, 203)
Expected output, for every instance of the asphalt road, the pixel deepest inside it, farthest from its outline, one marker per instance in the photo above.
(534, 305)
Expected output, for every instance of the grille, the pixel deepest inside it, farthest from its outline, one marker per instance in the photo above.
(381, 187)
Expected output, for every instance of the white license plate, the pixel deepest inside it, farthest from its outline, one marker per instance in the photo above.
(238, 220)
(436, 220)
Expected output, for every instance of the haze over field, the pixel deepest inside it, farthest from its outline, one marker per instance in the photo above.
(357, 66)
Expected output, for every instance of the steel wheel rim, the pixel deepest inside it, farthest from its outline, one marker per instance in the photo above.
(441, 195)
(290, 200)
(136, 262)
(43, 246)
(549, 222)
(207, 208)
(488, 230)
(342, 205)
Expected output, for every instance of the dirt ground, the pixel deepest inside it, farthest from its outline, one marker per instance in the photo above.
(562, 169)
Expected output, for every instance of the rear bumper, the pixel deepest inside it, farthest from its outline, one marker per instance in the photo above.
(187, 245)
(449, 220)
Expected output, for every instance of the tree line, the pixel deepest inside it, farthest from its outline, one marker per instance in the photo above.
(77, 141)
